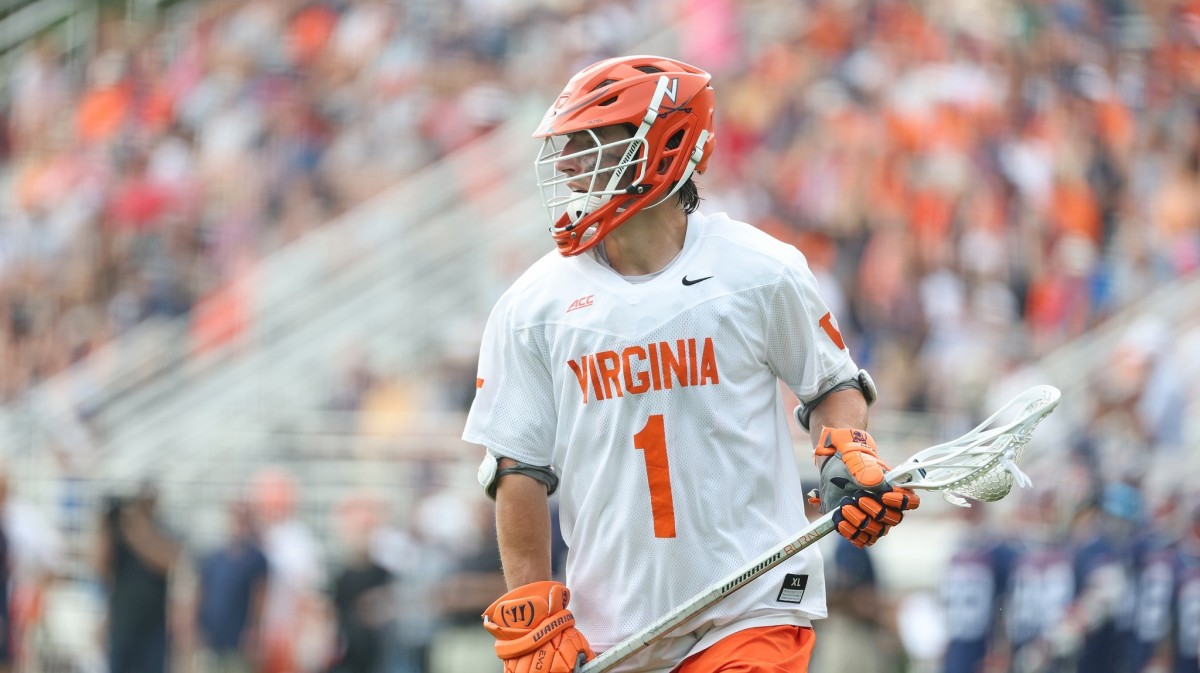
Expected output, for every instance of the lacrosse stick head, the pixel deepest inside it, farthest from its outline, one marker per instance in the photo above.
(982, 464)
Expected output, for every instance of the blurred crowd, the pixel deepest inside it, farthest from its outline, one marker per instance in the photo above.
(1109, 583)
(395, 585)
(1076, 577)
(144, 179)
(975, 184)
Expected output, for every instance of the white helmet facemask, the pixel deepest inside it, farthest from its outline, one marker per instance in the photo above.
(602, 181)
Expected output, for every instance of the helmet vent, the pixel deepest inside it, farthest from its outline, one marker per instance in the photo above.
(649, 69)
(609, 101)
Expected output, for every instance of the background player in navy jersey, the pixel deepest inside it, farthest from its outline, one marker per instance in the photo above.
(1040, 588)
(1187, 597)
(1101, 612)
(1155, 569)
(974, 586)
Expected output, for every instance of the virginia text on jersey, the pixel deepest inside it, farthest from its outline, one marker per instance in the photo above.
(655, 366)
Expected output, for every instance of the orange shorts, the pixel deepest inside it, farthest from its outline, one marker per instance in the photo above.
(767, 649)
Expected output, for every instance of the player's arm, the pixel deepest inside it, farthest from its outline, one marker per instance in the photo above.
(533, 628)
(841, 409)
(522, 527)
(851, 471)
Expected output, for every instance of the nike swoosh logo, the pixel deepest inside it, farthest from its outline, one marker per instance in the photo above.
(693, 282)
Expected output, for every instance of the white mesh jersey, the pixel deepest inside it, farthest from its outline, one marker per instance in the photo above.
(658, 404)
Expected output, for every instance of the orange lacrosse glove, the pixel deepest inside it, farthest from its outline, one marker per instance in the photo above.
(852, 483)
(534, 630)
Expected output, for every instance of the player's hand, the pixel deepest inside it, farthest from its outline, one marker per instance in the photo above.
(534, 630)
(852, 482)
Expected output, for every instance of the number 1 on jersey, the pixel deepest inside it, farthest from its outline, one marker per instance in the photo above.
(652, 440)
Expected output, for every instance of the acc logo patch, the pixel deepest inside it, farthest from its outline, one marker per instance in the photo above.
(582, 302)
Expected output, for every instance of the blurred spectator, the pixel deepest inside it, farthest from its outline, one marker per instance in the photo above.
(362, 595)
(231, 589)
(7, 632)
(355, 380)
(1186, 648)
(1155, 562)
(296, 631)
(474, 581)
(973, 591)
(421, 555)
(1099, 616)
(1041, 587)
(135, 558)
(34, 561)
(853, 637)
(388, 408)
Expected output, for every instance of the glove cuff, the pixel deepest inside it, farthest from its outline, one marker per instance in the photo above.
(834, 439)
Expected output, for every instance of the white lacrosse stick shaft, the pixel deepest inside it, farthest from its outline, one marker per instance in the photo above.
(955, 468)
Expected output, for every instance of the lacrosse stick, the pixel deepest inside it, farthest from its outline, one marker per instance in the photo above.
(980, 465)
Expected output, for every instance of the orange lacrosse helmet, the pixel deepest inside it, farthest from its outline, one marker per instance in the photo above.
(670, 106)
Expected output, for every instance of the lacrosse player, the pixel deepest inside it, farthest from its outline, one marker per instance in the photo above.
(1040, 588)
(1186, 643)
(975, 583)
(1105, 595)
(1156, 564)
(635, 373)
